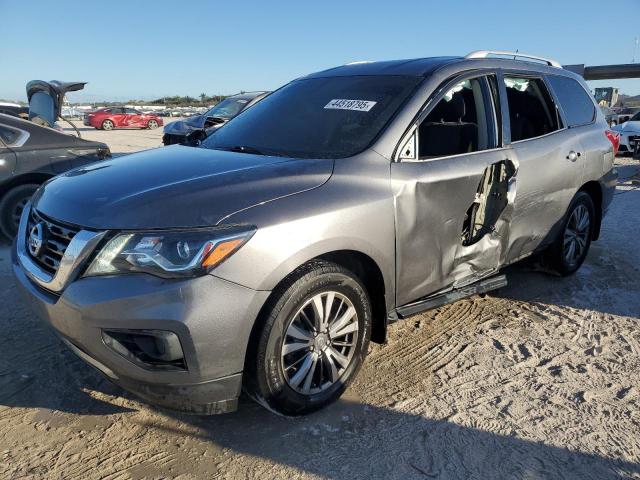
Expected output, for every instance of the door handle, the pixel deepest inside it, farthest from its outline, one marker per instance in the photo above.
(573, 156)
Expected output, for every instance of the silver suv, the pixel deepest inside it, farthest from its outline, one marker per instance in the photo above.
(268, 257)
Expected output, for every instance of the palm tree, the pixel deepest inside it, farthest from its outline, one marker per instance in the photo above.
(203, 97)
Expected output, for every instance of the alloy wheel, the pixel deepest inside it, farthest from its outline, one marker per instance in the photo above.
(17, 211)
(319, 342)
(576, 234)
(107, 125)
(152, 124)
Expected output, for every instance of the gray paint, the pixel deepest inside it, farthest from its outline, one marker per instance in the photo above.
(406, 216)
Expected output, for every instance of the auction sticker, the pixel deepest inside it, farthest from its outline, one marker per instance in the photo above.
(345, 104)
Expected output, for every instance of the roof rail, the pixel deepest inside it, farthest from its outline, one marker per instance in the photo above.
(486, 53)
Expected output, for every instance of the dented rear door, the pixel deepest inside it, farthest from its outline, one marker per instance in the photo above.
(550, 171)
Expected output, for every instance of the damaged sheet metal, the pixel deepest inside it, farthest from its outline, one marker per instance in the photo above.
(433, 199)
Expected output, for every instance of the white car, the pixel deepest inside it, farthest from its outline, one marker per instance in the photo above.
(630, 128)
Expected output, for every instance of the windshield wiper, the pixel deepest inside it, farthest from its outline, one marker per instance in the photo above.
(246, 149)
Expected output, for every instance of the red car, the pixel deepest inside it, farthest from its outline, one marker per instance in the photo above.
(121, 117)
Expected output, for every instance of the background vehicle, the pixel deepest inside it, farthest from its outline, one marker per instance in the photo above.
(625, 114)
(627, 129)
(267, 258)
(610, 116)
(121, 117)
(32, 154)
(14, 110)
(197, 127)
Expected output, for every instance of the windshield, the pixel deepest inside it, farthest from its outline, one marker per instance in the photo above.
(227, 108)
(635, 118)
(331, 117)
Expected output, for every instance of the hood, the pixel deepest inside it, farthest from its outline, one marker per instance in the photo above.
(184, 127)
(174, 187)
(627, 127)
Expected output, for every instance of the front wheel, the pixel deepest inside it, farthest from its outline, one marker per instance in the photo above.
(570, 249)
(12, 206)
(314, 338)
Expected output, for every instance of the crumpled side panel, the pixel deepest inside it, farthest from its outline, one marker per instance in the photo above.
(431, 201)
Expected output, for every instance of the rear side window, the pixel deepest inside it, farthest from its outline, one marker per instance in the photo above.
(532, 112)
(9, 136)
(576, 102)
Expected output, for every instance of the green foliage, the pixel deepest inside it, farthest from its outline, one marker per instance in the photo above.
(180, 101)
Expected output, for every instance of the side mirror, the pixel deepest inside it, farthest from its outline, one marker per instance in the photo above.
(409, 148)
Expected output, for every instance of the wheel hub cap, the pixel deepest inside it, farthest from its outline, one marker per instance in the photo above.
(576, 234)
(319, 342)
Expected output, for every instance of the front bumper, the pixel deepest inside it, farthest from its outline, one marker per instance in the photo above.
(625, 144)
(189, 138)
(212, 318)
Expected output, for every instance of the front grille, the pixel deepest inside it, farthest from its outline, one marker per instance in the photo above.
(56, 240)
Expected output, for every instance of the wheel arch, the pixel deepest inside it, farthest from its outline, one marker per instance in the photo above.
(112, 120)
(370, 274)
(24, 179)
(594, 190)
(366, 270)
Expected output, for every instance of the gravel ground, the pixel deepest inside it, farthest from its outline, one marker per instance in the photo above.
(540, 379)
(121, 140)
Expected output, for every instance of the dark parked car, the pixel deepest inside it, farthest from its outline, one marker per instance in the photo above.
(267, 258)
(624, 115)
(198, 127)
(30, 155)
(14, 110)
(610, 116)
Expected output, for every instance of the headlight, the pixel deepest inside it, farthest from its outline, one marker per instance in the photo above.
(169, 254)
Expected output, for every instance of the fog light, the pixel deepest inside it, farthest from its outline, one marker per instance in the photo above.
(150, 349)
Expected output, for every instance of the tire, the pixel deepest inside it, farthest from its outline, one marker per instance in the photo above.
(568, 252)
(107, 125)
(11, 207)
(152, 124)
(293, 376)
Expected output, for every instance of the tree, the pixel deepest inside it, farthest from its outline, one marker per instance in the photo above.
(203, 97)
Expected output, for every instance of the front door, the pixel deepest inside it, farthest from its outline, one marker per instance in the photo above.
(454, 187)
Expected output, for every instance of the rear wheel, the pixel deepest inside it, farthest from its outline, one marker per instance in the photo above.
(107, 125)
(313, 341)
(570, 249)
(12, 206)
(151, 124)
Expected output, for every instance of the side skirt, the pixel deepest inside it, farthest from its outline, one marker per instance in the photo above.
(435, 301)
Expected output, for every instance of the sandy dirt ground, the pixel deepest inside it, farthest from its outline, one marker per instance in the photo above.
(540, 379)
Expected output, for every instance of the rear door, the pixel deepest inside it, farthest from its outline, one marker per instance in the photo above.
(454, 186)
(580, 114)
(133, 117)
(549, 158)
(7, 156)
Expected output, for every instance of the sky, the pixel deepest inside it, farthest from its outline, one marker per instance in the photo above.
(148, 49)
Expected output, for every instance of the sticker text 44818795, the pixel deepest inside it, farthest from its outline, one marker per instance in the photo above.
(345, 104)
